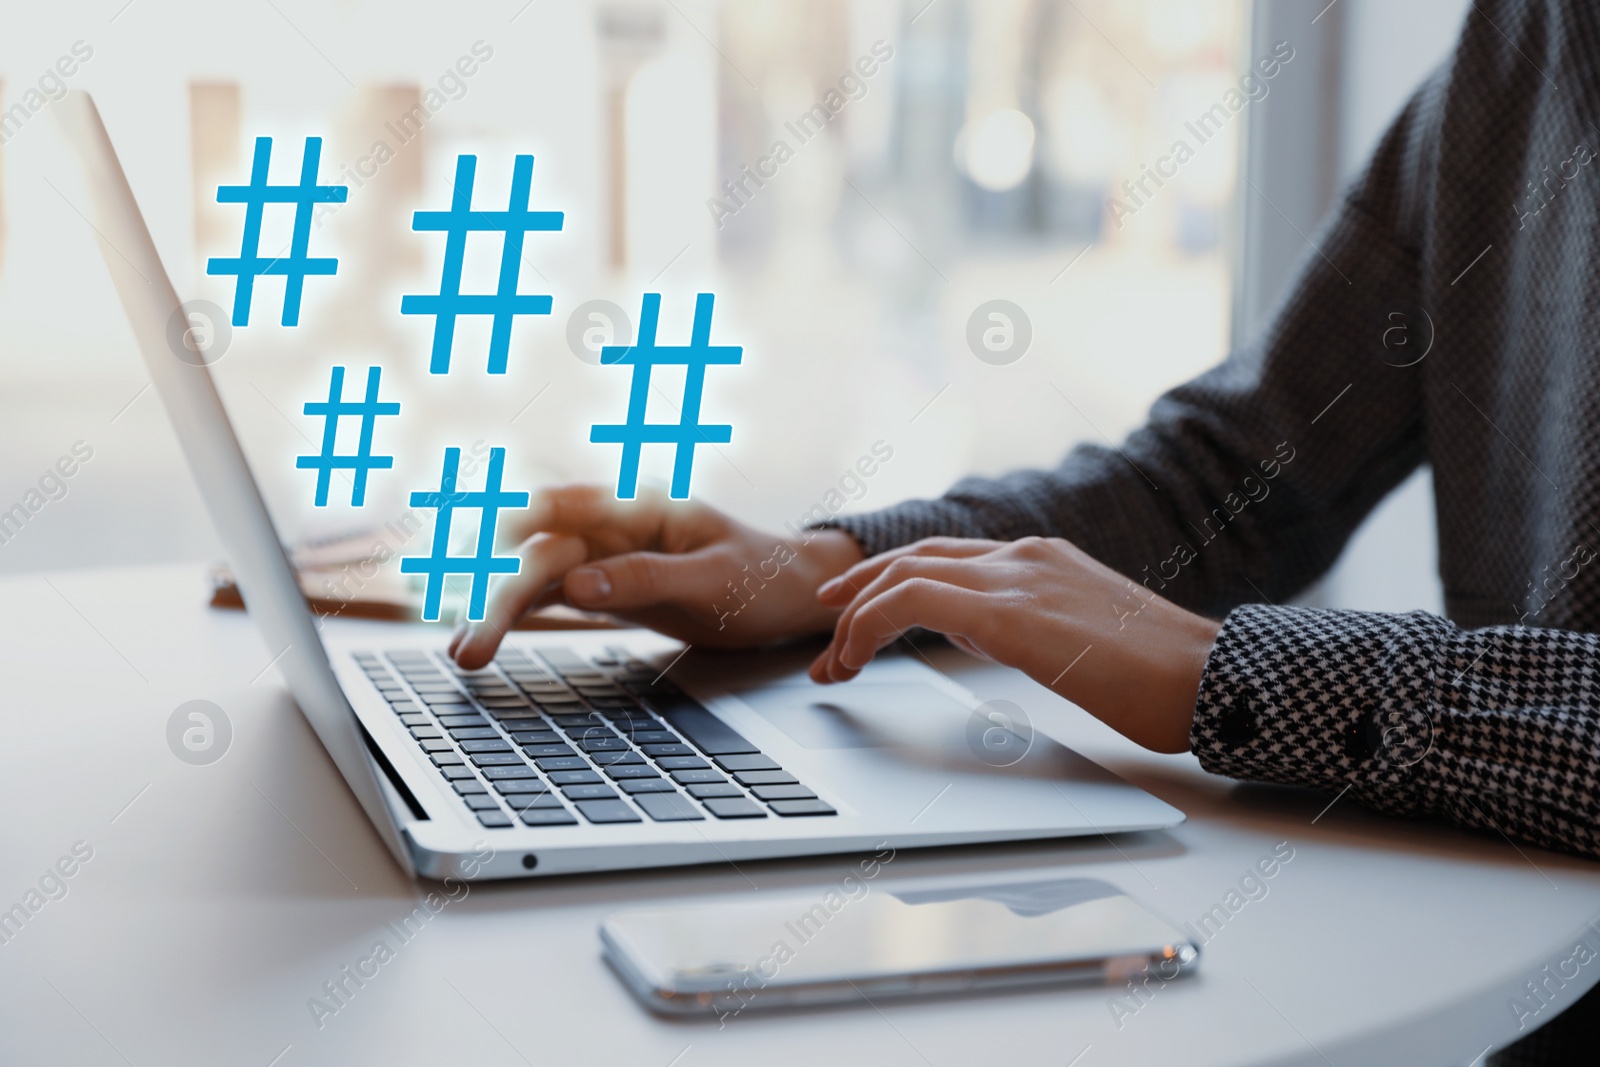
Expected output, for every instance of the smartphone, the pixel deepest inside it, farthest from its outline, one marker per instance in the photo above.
(853, 942)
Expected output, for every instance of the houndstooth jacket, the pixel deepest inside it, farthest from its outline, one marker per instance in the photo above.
(1473, 236)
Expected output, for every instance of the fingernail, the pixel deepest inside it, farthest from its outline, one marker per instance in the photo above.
(827, 588)
(589, 584)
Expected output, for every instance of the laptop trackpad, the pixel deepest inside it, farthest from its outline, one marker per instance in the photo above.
(914, 726)
(834, 719)
(862, 715)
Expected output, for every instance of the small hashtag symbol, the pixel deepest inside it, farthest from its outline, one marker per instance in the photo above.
(505, 302)
(297, 264)
(483, 562)
(687, 431)
(362, 460)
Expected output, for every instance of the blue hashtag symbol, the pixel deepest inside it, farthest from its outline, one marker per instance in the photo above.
(504, 303)
(297, 264)
(362, 460)
(483, 562)
(632, 435)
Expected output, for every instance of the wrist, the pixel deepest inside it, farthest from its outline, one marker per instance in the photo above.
(1178, 675)
(826, 554)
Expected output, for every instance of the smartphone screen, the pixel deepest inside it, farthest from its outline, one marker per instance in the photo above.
(835, 945)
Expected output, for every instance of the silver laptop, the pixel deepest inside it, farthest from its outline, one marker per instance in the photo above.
(597, 750)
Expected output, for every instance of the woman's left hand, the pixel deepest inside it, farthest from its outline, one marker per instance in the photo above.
(1127, 656)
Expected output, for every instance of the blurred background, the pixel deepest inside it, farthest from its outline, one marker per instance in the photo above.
(852, 178)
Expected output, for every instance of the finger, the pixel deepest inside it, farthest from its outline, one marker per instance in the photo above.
(546, 558)
(968, 573)
(551, 595)
(946, 609)
(647, 579)
(845, 587)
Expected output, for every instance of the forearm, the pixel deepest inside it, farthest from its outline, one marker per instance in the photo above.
(1496, 729)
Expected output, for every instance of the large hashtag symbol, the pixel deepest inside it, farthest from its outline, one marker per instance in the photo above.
(297, 264)
(481, 564)
(362, 460)
(698, 354)
(504, 303)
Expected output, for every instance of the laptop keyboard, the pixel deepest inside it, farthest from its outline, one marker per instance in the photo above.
(544, 739)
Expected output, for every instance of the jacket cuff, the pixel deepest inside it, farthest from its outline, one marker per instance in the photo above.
(1320, 698)
(879, 531)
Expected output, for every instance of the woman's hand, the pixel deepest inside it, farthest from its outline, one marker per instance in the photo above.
(1119, 651)
(675, 566)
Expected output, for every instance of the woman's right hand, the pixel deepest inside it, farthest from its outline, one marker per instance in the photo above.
(675, 566)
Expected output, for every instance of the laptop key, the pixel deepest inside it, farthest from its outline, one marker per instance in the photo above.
(548, 817)
(481, 802)
(802, 807)
(612, 759)
(704, 730)
(669, 807)
(562, 763)
(631, 770)
(682, 763)
(540, 751)
(516, 770)
(734, 808)
(497, 759)
(502, 701)
(452, 697)
(469, 785)
(601, 811)
(667, 750)
(442, 759)
(697, 777)
(474, 733)
(756, 762)
(603, 744)
(765, 778)
(710, 790)
(457, 772)
(495, 744)
(496, 819)
(520, 718)
(524, 736)
(435, 744)
(653, 737)
(646, 785)
(416, 720)
(521, 785)
(404, 707)
(576, 778)
(521, 802)
(451, 721)
(782, 792)
(589, 792)
(425, 733)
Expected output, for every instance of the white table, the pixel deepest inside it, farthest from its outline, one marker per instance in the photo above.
(220, 898)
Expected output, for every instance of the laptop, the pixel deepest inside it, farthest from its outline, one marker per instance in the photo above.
(596, 750)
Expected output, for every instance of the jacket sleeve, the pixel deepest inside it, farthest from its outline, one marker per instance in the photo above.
(1497, 729)
(1246, 482)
